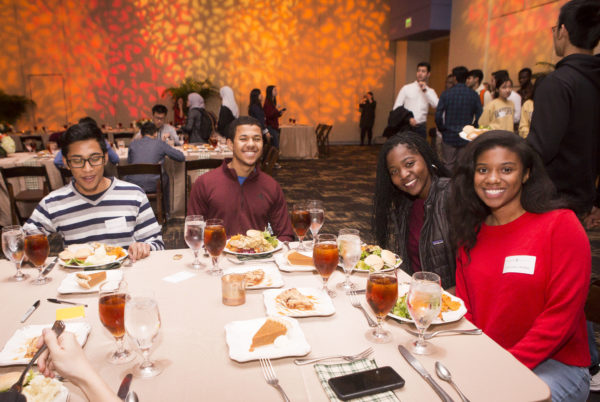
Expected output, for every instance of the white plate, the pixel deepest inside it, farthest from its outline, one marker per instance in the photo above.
(64, 264)
(463, 135)
(254, 254)
(384, 269)
(284, 264)
(322, 303)
(238, 335)
(272, 278)
(448, 316)
(16, 347)
(70, 285)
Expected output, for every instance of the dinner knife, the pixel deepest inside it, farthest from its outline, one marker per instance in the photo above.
(49, 268)
(421, 370)
(124, 388)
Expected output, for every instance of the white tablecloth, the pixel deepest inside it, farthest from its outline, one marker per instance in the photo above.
(298, 142)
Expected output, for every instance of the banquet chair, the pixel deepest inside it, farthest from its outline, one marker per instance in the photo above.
(24, 195)
(126, 137)
(269, 162)
(197, 164)
(323, 140)
(36, 140)
(147, 168)
(65, 174)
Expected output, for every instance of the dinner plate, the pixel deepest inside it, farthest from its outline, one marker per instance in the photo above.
(15, 348)
(447, 317)
(238, 335)
(323, 305)
(284, 264)
(254, 254)
(398, 263)
(64, 264)
(272, 278)
(61, 396)
(69, 283)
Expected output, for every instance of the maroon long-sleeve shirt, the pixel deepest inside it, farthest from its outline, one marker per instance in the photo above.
(252, 205)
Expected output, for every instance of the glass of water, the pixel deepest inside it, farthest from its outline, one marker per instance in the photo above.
(350, 250)
(13, 243)
(194, 237)
(424, 301)
(142, 323)
(317, 217)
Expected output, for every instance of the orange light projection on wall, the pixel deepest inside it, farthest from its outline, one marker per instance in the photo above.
(118, 56)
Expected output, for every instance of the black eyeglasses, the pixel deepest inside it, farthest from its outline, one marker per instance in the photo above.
(94, 160)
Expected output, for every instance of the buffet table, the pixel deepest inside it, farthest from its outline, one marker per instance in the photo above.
(298, 141)
(192, 341)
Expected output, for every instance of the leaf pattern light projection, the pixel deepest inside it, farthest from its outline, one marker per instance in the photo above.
(117, 56)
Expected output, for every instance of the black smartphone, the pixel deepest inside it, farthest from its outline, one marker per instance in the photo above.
(365, 383)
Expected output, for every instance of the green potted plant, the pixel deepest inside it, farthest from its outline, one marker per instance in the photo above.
(189, 85)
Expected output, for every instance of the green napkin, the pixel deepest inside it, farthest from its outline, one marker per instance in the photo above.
(327, 371)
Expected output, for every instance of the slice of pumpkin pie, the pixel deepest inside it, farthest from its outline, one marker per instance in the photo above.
(266, 335)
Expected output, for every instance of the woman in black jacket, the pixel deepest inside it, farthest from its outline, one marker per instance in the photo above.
(255, 110)
(367, 117)
(199, 125)
(410, 214)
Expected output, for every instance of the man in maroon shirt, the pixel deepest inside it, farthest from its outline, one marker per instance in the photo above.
(238, 192)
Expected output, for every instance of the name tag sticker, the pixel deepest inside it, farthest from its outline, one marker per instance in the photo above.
(115, 223)
(519, 264)
(437, 242)
(70, 313)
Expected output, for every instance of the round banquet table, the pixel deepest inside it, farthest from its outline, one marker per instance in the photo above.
(298, 141)
(192, 341)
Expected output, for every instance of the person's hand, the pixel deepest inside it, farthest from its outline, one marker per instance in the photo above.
(593, 219)
(422, 85)
(63, 355)
(412, 121)
(137, 251)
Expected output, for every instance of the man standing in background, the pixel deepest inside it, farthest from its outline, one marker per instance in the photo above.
(417, 97)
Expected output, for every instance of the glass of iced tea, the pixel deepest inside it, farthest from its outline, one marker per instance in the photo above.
(382, 292)
(194, 236)
(326, 258)
(301, 222)
(423, 302)
(37, 250)
(111, 308)
(214, 241)
(13, 243)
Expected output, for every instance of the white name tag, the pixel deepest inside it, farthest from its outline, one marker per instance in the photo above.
(502, 113)
(115, 223)
(519, 264)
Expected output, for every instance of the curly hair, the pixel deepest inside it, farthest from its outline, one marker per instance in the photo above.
(468, 211)
(387, 196)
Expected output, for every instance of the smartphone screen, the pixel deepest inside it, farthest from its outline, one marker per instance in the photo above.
(365, 383)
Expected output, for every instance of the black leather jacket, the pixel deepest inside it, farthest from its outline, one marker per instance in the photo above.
(435, 250)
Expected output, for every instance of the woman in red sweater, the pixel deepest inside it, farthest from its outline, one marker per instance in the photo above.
(523, 265)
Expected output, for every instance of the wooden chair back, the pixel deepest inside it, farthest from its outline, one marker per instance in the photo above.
(24, 195)
(147, 168)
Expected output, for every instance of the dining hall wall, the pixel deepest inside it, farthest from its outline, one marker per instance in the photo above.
(117, 56)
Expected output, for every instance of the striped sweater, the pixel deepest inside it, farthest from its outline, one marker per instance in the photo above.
(121, 216)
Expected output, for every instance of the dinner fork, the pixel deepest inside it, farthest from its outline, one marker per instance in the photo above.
(349, 358)
(271, 378)
(474, 331)
(356, 303)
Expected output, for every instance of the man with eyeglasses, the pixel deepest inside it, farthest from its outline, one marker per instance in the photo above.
(94, 208)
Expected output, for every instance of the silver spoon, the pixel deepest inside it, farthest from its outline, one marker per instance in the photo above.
(445, 375)
(131, 397)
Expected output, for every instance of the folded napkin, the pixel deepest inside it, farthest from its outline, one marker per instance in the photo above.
(327, 371)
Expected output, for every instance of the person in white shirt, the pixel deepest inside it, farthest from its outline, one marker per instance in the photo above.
(417, 97)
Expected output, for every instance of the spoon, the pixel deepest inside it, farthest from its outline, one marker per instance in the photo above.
(445, 375)
(131, 397)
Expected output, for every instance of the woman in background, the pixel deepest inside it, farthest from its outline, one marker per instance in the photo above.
(409, 204)
(499, 113)
(523, 265)
(255, 110)
(527, 110)
(367, 117)
(179, 113)
(272, 114)
(199, 125)
(229, 110)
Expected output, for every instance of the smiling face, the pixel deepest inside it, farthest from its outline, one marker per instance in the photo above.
(89, 180)
(247, 145)
(408, 171)
(498, 181)
(422, 73)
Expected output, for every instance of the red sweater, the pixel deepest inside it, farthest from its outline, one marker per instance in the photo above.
(535, 316)
(252, 205)
(271, 114)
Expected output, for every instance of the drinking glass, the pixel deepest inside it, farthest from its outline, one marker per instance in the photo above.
(350, 251)
(326, 258)
(37, 250)
(423, 302)
(300, 222)
(13, 243)
(111, 308)
(382, 293)
(317, 216)
(194, 235)
(214, 241)
(142, 323)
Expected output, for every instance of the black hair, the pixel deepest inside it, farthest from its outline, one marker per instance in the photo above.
(387, 196)
(148, 128)
(81, 132)
(526, 70)
(476, 73)
(160, 109)
(87, 119)
(424, 64)
(501, 80)
(240, 121)
(371, 93)
(254, 98)
(270, 96)
(460, 73)
(468, 211)
(581, 18)
(500, 74)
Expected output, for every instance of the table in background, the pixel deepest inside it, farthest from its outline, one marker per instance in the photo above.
(298, 141)
(192, 341)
